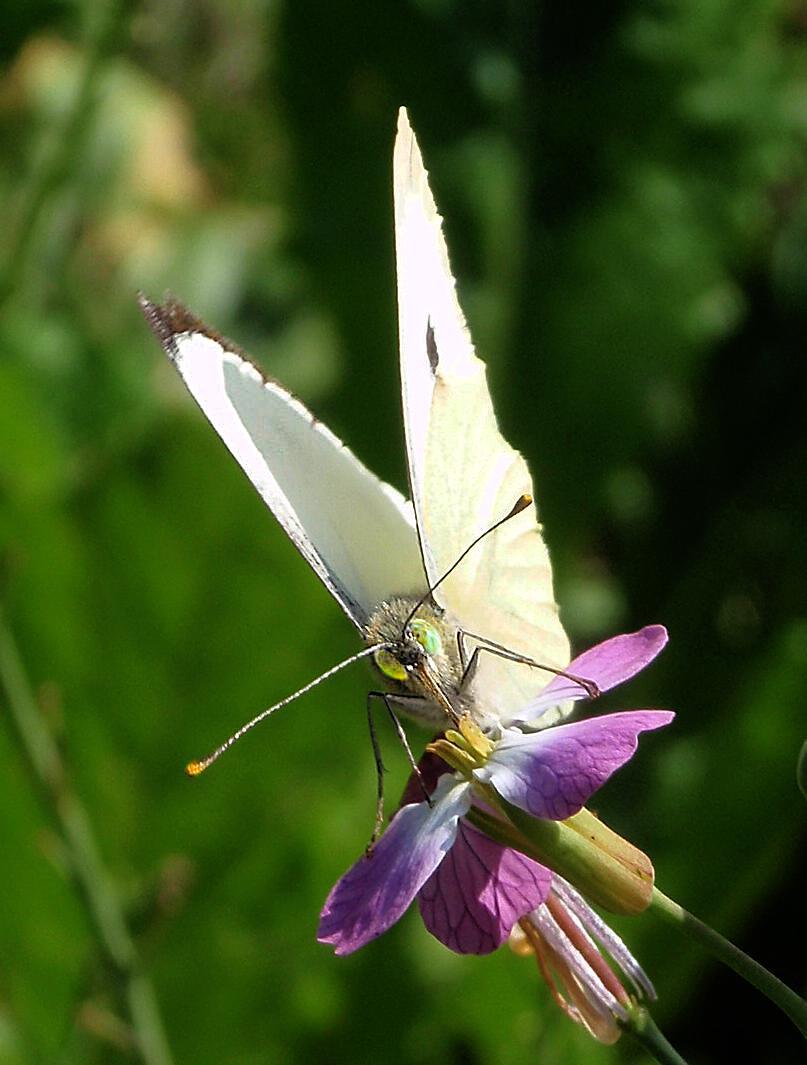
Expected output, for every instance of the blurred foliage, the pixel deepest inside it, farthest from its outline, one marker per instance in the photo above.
(623, 186)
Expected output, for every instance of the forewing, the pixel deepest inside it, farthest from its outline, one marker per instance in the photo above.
(357, 533)
(464, 476)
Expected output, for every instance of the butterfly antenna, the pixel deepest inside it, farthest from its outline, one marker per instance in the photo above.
(193, 769)
(520, 504)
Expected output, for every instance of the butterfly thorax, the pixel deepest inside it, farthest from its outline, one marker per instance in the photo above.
(420, 661)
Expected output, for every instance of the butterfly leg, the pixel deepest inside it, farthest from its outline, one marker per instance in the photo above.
(469, 670)
(513, 656)
(469, 667)
(379, 764)
(410, 757)
(380, 770)
(403, 697)
(463, 654)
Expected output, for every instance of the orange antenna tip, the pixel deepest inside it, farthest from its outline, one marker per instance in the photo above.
(193, 769)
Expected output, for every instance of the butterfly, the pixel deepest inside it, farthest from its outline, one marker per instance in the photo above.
(448, 639)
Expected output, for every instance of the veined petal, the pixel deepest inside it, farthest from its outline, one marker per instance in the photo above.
(479, 891)
(608, 664)
(376, 891)
(552, 773)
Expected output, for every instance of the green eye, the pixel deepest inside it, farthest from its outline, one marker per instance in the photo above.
(427, 636)
(389, 665)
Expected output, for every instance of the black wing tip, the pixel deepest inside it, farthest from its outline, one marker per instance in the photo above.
(169, 319)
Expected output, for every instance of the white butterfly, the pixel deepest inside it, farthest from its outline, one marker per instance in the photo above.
(377, 553)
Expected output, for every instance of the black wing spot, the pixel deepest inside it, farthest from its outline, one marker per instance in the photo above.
(431, 347)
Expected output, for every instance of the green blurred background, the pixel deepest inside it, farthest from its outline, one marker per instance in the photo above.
(623, 185)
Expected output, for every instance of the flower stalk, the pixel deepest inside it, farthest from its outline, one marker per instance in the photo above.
(755, 974)
(641, 1027)
(92, 880)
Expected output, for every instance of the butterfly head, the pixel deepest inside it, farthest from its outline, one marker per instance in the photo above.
(419, 641)
(419, 653)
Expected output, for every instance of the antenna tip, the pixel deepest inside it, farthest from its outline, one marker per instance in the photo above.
(520, 504)
(193, 769)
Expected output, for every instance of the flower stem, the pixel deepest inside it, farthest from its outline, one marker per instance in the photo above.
(92, 879)
(641, 1027)
(757, 975)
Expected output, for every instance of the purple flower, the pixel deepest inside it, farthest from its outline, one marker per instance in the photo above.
(471, 889)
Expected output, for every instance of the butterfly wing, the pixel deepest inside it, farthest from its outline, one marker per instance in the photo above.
(464, 476)
(356, 532)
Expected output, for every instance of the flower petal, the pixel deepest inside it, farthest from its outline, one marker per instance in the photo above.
(479, 891)
(376, 891)
(607, 664)
(552, 773)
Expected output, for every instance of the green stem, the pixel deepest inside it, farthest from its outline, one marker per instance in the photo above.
(756, 975)
(641, 1027)
(92, 880)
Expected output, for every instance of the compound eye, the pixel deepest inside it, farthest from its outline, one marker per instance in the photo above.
(427, 636)
(389, 665)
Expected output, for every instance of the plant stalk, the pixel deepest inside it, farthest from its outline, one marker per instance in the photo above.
(641, 1027)
(91, 878)
(757, 975)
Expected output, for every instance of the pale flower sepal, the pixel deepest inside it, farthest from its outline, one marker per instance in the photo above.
(583, 961)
